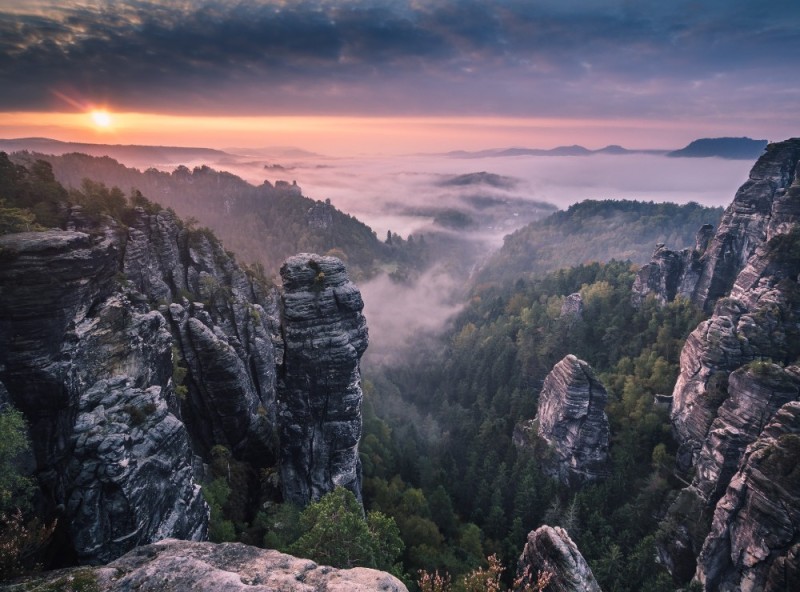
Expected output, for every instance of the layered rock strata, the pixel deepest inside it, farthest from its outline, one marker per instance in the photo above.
(226, 330)
(765, 206)
(754, 543)
(550, 552)
(736, 372)
(762, 208)
(671, 274)
(759, 321)
(320, 396)
(90, 367)
(176, 566)
(755, 393)
(573, 423)
(134, 350)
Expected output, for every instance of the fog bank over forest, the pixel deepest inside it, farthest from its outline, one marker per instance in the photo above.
(385, 192)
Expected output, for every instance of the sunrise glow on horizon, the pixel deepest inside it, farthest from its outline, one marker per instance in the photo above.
(350, 135)
(363, 76)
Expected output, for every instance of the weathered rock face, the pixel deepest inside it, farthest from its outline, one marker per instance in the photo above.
(762, 208)
(226, 330)
(573, 423)
(177, 566)
(670, 274)
(130, 478)
(755, 393)
(550, 550)
(325, 335)
(760, 321)
(96, 328)
(732, 379)
(90, 366)
(753, 544)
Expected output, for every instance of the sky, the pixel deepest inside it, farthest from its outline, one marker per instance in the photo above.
(360, 76)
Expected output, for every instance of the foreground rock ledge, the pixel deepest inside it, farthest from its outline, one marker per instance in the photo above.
(176, 566)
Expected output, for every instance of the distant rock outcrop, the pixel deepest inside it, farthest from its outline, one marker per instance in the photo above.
(734, 148)
(671, 274)
(550, 551)
(572, 307)
(172, 565)
(325, 335)
(572, 422)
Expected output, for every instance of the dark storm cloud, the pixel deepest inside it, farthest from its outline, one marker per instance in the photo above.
(514, 57)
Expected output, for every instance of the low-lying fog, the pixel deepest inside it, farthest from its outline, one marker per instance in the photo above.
(385, 192)
(404, 194)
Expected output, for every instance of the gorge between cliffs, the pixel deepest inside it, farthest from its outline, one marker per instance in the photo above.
(198, 423)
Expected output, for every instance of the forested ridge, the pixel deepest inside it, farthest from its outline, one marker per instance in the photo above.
(262, 224)
(596, 230)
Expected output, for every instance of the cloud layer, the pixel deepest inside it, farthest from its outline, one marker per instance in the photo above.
(581, 58)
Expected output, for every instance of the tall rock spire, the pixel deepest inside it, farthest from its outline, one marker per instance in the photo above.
(319, 385)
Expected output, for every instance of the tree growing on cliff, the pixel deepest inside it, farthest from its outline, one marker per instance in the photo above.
(21, 536)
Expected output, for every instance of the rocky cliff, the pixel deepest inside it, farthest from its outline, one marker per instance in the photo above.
(550, 551)
(325, 335)
(177, 566)
(90, 366)
(572, 422)
(737, 369)
(135, 349)
(765, 206)
(672, 274)
(754, 543)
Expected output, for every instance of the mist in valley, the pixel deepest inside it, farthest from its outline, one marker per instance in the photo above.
(403, 194)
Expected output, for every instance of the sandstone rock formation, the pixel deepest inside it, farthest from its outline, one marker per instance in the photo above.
(572, 306)
(753, 544)
(670, 274)
(762, 208)
(226, 330)
(573, 423)
(134, 350)
(734, 377)
(550, 550)
(90, 367)
(755, 393)
(177, 566)
(325, 335)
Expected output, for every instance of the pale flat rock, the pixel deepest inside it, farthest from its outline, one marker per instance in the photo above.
(181, 566)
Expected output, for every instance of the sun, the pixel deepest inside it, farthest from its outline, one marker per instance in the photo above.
(101, 118)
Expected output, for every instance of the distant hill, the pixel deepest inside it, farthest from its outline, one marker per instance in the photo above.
(481, 178)
(732, 148)
(574, 150)
(596, 231)
(142, 156)
(263, 224)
